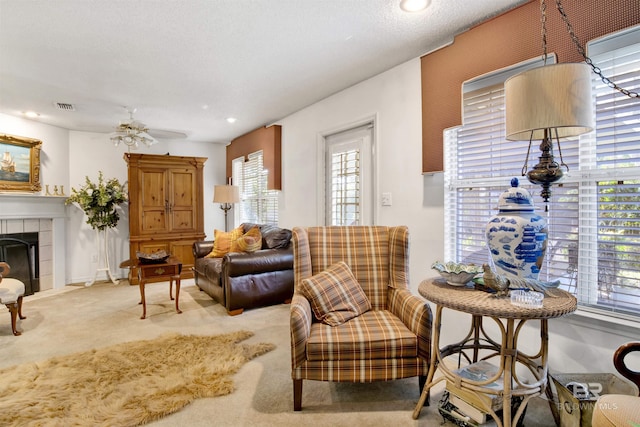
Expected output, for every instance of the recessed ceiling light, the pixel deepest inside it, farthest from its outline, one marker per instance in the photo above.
(31, 114)
(231, 119)
(414, 5)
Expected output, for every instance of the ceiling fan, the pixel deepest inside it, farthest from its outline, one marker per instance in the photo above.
(133, 132)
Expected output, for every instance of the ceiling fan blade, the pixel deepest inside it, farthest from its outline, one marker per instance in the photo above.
(166, 134)
(136, 124)
(146, 138)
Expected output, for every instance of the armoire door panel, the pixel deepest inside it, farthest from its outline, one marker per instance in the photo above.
(183, 202)
(154, 221)
(184, 251)
(152, 189)
(182, 220)
(154, 201)
(183, 186)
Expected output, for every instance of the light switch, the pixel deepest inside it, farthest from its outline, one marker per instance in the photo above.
(386, 199)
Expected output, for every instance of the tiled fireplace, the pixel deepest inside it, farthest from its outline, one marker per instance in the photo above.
(22, 252)
(22, 215)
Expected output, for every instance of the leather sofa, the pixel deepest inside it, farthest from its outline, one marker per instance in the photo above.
(240, 280)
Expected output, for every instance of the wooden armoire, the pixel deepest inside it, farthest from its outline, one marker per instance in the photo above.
(166, 210)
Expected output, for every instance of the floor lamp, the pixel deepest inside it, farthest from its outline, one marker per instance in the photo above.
(226, 195)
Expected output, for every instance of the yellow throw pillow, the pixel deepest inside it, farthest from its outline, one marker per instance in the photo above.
(222, 241)
(250, 241)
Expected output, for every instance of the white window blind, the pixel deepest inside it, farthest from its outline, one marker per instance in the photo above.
(611, 176)
(593, 215)
(257, 203)
(345, 187)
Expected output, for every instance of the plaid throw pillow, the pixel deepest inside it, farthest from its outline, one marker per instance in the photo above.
(335, 295)
(222, 242)
(250, 241)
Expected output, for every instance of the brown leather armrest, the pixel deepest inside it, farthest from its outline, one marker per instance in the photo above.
(202, 248)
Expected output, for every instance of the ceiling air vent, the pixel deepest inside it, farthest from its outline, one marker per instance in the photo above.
(64, 106)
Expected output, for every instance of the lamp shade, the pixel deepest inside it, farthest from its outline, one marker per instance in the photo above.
(226, 194)
(553, 96)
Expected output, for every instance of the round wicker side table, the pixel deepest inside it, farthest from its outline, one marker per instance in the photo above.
(510, 319)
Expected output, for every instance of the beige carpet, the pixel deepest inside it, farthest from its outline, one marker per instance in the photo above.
(80, 319)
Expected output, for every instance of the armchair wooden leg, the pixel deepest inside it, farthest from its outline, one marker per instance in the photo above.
(297, 395)
(13, 309)
(20, 308)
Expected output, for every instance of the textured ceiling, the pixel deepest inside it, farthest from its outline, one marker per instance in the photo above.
(187, 65)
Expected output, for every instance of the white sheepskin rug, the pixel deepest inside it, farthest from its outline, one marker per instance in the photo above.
(126, 384)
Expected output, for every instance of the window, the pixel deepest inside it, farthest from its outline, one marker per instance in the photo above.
(257, 204)
(593, 215)
(344, 208)
(348, 172)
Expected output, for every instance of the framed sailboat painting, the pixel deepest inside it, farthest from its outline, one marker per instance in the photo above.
(19, 163)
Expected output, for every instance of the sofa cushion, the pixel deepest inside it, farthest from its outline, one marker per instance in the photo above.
(222, 241)
(335, 295)
(273, 237)
(380, 335)
(250, 241)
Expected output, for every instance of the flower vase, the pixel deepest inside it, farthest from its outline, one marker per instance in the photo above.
(517, 236)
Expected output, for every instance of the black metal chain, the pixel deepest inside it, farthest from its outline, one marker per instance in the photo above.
(582, 52)
(543, 20)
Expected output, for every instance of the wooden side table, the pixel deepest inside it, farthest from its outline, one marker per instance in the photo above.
(510, 320)
(169, 270)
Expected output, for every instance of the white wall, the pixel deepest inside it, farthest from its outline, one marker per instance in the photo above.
(67, 157)
(393, 99)
(576, 344)
(55, 148)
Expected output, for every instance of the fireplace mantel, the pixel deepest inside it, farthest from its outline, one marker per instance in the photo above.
(20, 206)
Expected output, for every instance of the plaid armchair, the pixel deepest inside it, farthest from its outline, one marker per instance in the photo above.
(392, 340)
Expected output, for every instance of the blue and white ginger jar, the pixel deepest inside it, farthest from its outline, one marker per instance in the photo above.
(517, 236)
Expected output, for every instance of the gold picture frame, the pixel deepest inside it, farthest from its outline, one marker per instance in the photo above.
(19, 163)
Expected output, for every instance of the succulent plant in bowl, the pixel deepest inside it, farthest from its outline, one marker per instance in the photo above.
(457, 274)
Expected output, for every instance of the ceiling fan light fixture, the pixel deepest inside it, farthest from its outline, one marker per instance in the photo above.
(413, 6)
(131, 133)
